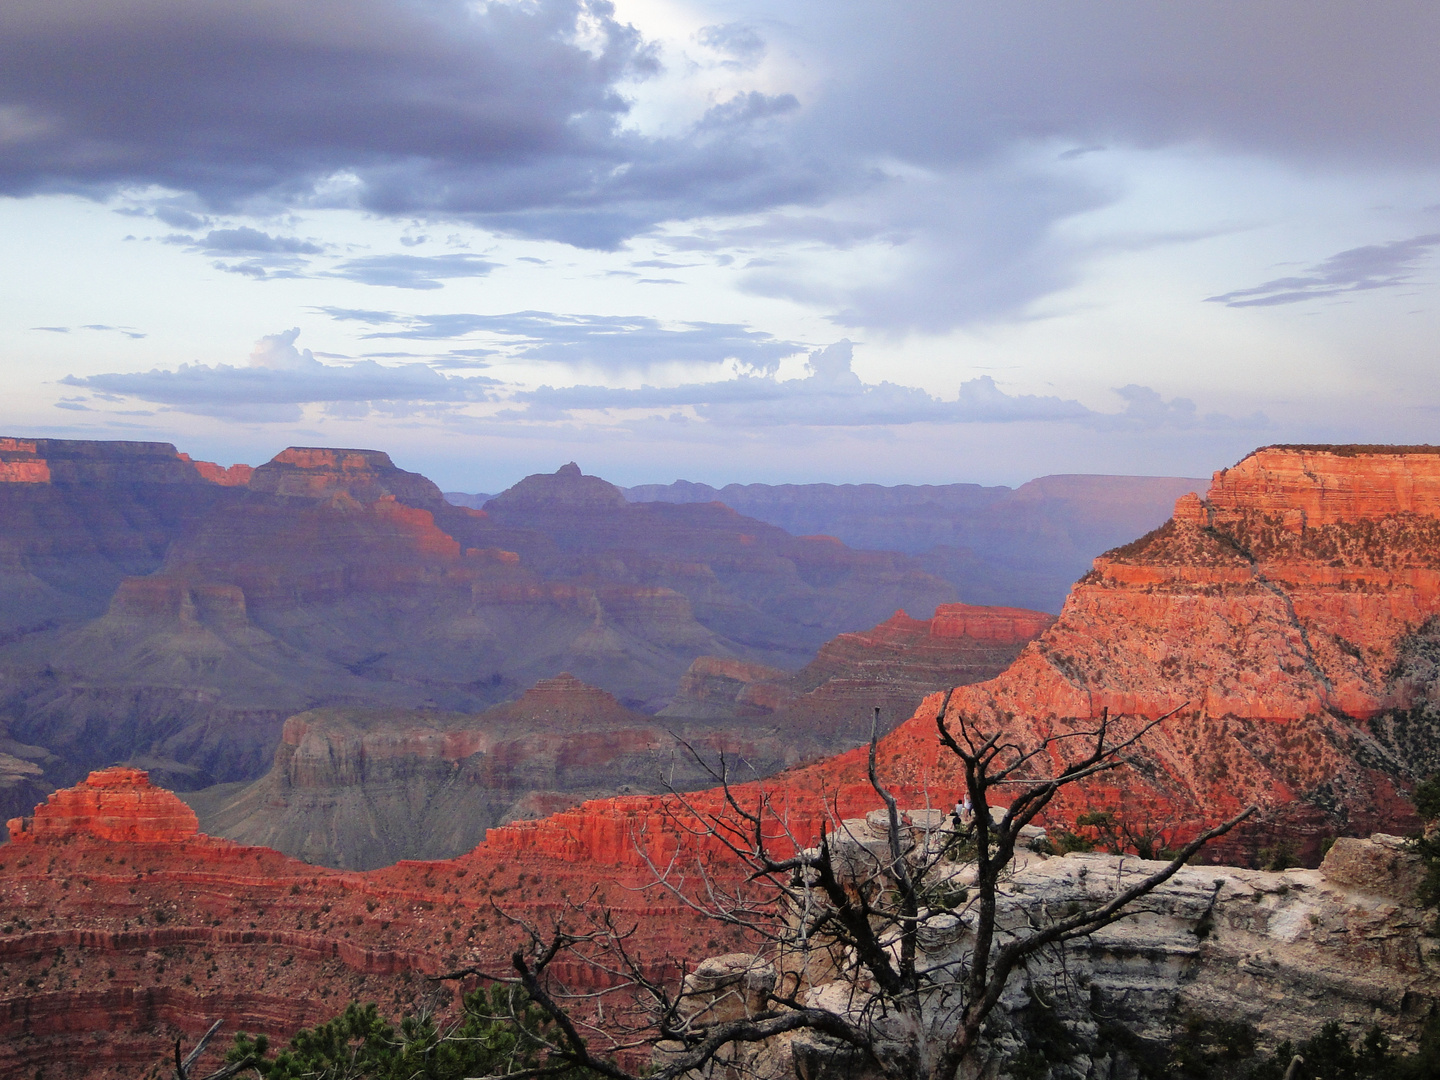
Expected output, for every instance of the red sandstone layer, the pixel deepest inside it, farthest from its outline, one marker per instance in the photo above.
(117, 938)
(113, 804)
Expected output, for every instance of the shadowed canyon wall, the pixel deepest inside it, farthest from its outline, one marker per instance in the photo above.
(363, 788)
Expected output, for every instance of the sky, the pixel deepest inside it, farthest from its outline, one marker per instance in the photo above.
(722, 241)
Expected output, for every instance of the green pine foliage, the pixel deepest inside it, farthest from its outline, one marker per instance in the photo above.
(501, 1033)
(1427, 804)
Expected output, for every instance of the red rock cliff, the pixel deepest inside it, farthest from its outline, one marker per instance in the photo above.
(891, 666)
(112, 804)
(315, 472)
(113, 945)
(1290, 617)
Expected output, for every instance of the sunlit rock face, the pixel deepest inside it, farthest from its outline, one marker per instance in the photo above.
(892, 667)
(1289, 619)
(116, 804)
(122, 928)
(315, 472)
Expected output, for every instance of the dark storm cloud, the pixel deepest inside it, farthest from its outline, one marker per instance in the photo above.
(279, 378)
(612, 342)
(513, 116)
(1360, 269)
(507, 114)
(412, 271)
(832, 395)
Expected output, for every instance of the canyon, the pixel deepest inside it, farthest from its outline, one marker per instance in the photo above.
(363, 788)
(1282, 633)
(1286, 622)
(173, 614)
(125, 928)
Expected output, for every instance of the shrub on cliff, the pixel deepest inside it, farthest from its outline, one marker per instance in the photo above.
(499, 1033)
(1427, 805)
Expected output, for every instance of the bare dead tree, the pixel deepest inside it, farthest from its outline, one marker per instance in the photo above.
(899, 915)
(225, 1072)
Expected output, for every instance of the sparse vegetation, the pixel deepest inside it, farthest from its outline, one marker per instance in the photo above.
(498, 1033)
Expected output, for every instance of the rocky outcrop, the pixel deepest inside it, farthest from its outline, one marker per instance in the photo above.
(1272, 955)
(567, 490)
(109, 949)
(363, 788)
(112, 804)
(231, 476)
(313, 472)
(1290, 617)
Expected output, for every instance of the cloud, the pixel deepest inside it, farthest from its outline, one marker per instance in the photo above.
(611, 342)
(364, 315)
(909, 132)
(832, 395)
(742, 45)
(279, 378)
(247, 241)
(1359, 269)
(263, 255)
(970, 245)
(412, 271)
(748, 108)
(513, 116)
(1322, 83)
(125, 331)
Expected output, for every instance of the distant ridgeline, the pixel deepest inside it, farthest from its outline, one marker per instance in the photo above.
(1021, 547)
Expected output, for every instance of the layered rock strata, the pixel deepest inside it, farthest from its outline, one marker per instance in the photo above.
(110, 948)
(892, 667)
(1288, 621)
(121, 928)
(1290, 617)
(117, 804)
(363, 788)
(1213, 948)
(159, 610)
